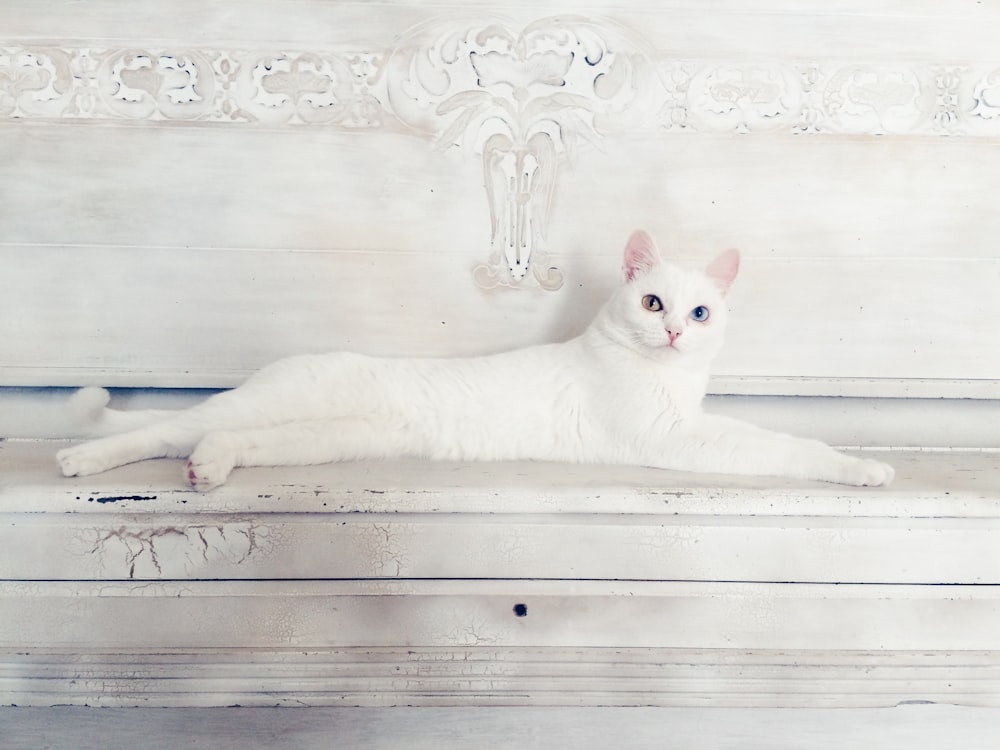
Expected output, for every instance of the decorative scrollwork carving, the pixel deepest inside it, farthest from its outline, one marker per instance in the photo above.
(743, 98)
(140, 84)
(986, 97)
(306, 87)
(35, 82)
(524, 100)
(875, 99)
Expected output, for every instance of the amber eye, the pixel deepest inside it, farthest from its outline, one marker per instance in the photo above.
(700, 314)
(652, 303)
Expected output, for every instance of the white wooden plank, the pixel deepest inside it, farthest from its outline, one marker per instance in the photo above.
(163, 188)
(489, 675)
(418, 520)
(786, 197)
(769, 28)
(463, 546)
(454, 614)
(145, 187)
(873, 390)
(528, 728)
(252, 310)
(928, 484)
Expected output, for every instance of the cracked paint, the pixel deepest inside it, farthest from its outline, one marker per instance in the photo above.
(468, 628)
(507, 549)
(171, 551)
(380, 546)
(664, 542)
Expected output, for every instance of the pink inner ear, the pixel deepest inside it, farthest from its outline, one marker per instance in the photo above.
(640, 254)
(723, 269)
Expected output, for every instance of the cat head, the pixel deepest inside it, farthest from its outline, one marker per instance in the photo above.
(668, 312)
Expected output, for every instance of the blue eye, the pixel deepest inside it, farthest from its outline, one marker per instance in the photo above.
(699, 314)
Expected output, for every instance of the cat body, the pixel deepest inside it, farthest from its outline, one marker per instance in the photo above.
(626, 391)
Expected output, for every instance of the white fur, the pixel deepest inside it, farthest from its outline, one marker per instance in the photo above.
(617, 394)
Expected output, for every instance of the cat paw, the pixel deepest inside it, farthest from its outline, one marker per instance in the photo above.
(210, 464)
(866, 472)
(82, 460)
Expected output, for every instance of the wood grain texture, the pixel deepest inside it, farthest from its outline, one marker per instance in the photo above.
(453, 614)
(528, 728)
(207, 319)
(497, 676)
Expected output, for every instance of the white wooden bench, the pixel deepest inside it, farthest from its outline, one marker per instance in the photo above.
(189, 194)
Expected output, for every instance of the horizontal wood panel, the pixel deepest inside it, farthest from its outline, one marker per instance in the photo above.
(412, 519)
(762, 28)
(463, 546)
(634, 614)
(928, 484)
(491, 675)
(111, 316)
(156, 185)
(146, 187)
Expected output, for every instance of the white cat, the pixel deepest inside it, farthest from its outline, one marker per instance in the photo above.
(626, 391)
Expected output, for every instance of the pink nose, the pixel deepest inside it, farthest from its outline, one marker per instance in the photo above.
(672, 335)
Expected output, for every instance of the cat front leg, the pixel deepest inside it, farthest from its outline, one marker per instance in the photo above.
(212, 460)
(717, 444)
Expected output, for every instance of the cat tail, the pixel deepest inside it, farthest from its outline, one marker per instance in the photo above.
(90, 415)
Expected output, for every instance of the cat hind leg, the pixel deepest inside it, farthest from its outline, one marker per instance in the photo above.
(95, 456)
(157, 433)
(317, 441)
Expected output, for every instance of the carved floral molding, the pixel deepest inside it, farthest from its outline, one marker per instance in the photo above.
(354, 90)
(524, 100)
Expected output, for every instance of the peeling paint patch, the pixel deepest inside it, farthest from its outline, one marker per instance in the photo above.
(120, 498)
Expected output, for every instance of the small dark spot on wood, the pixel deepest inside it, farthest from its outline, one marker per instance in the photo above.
(521, 610)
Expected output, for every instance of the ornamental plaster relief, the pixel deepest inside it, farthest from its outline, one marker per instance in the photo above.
(473, 92)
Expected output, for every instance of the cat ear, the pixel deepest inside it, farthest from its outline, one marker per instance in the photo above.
(640, 254)
(723, 269)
